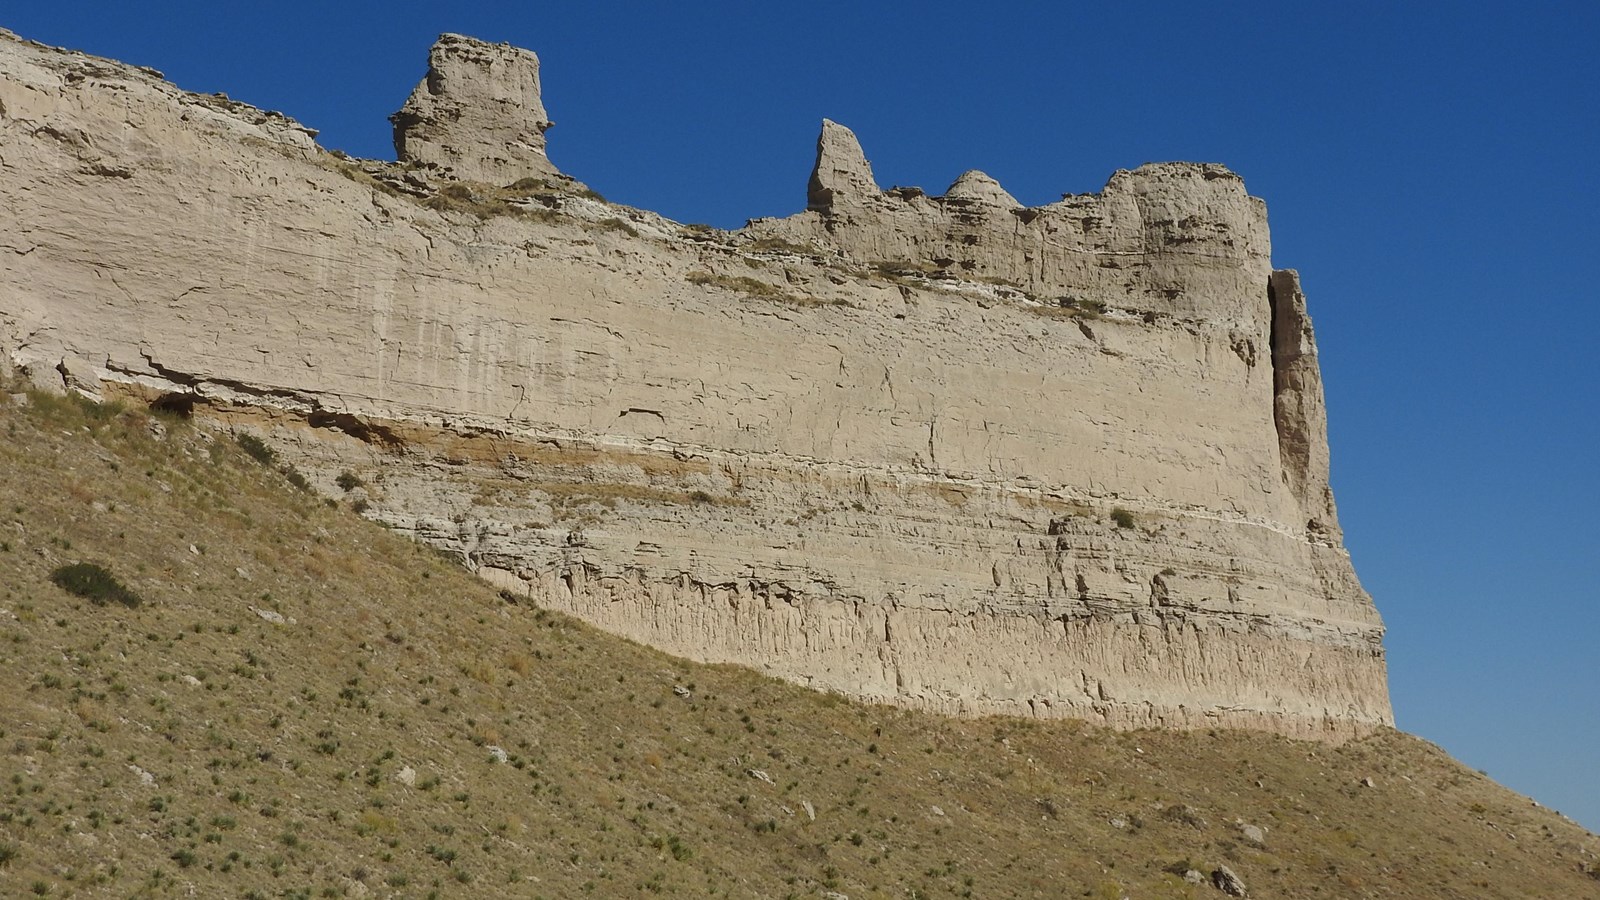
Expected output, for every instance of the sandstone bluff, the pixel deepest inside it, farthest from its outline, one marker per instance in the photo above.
(946, 451)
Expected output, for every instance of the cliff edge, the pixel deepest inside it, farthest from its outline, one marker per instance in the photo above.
(942, 451)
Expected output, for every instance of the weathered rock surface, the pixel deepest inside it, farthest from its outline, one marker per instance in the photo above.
(478, 114)
(947, 452)
(1224, 879)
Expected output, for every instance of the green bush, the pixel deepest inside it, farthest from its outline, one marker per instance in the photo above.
(348, 481)
(616, 224)
(258, 451)
(296, 479)
(1122, 518)
(95, 584)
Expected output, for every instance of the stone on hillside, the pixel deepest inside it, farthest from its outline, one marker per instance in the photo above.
(79, 377)
(42, 376)
(478, 113)
(1227, 882)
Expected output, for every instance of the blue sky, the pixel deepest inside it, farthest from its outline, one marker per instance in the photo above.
(1429, 168)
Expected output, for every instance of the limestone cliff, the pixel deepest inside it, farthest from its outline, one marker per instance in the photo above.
(948, 452)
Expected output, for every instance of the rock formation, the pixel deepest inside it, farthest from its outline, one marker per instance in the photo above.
(478, 114)
(948, 452)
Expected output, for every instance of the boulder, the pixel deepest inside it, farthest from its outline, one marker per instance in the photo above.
(1224, 880)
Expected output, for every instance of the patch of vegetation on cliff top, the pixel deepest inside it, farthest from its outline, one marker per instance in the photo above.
(306, 702)
(486, 202)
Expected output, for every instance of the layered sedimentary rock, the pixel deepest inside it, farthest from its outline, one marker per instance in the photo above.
(948, 452)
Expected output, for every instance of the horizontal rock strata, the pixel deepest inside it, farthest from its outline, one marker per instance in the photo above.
(947, 452)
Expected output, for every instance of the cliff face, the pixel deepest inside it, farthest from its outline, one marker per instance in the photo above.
(946, 452)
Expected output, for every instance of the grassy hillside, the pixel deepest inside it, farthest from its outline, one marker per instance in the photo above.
(296, 703)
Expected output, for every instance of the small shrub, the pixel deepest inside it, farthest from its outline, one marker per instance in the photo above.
(485, 203)
(896, 269)
(257, 450)
(296, 479)
(616, 224)
(445, 855)
(779, 245)
(1069, 307)
(348, 481)
(1122, 518)
(95, 584)
(699, 497)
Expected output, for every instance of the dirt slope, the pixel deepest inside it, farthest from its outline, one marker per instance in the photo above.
(305, 705)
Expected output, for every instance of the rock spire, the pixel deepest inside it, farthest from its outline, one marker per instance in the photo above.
(842, 175)
(477, 114)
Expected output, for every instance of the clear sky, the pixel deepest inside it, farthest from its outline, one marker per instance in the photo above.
(1431, 170)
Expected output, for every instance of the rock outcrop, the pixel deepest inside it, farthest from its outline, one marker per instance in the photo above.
(948, 452)
(842, 177)
(478, 115)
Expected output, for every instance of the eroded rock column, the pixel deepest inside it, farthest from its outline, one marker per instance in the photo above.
(477, 113)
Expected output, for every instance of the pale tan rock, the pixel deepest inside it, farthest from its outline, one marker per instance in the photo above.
(1224, 880)
(1299, 410)
(975, 187)
(842, 178)
(478, 113)
(864, 448)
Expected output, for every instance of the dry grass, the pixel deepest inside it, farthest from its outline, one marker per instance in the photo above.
(894, 269)
(753, 287)
(192, 747)
(1068, 308)
(485, 202)
(566, 494)
(782, 245)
